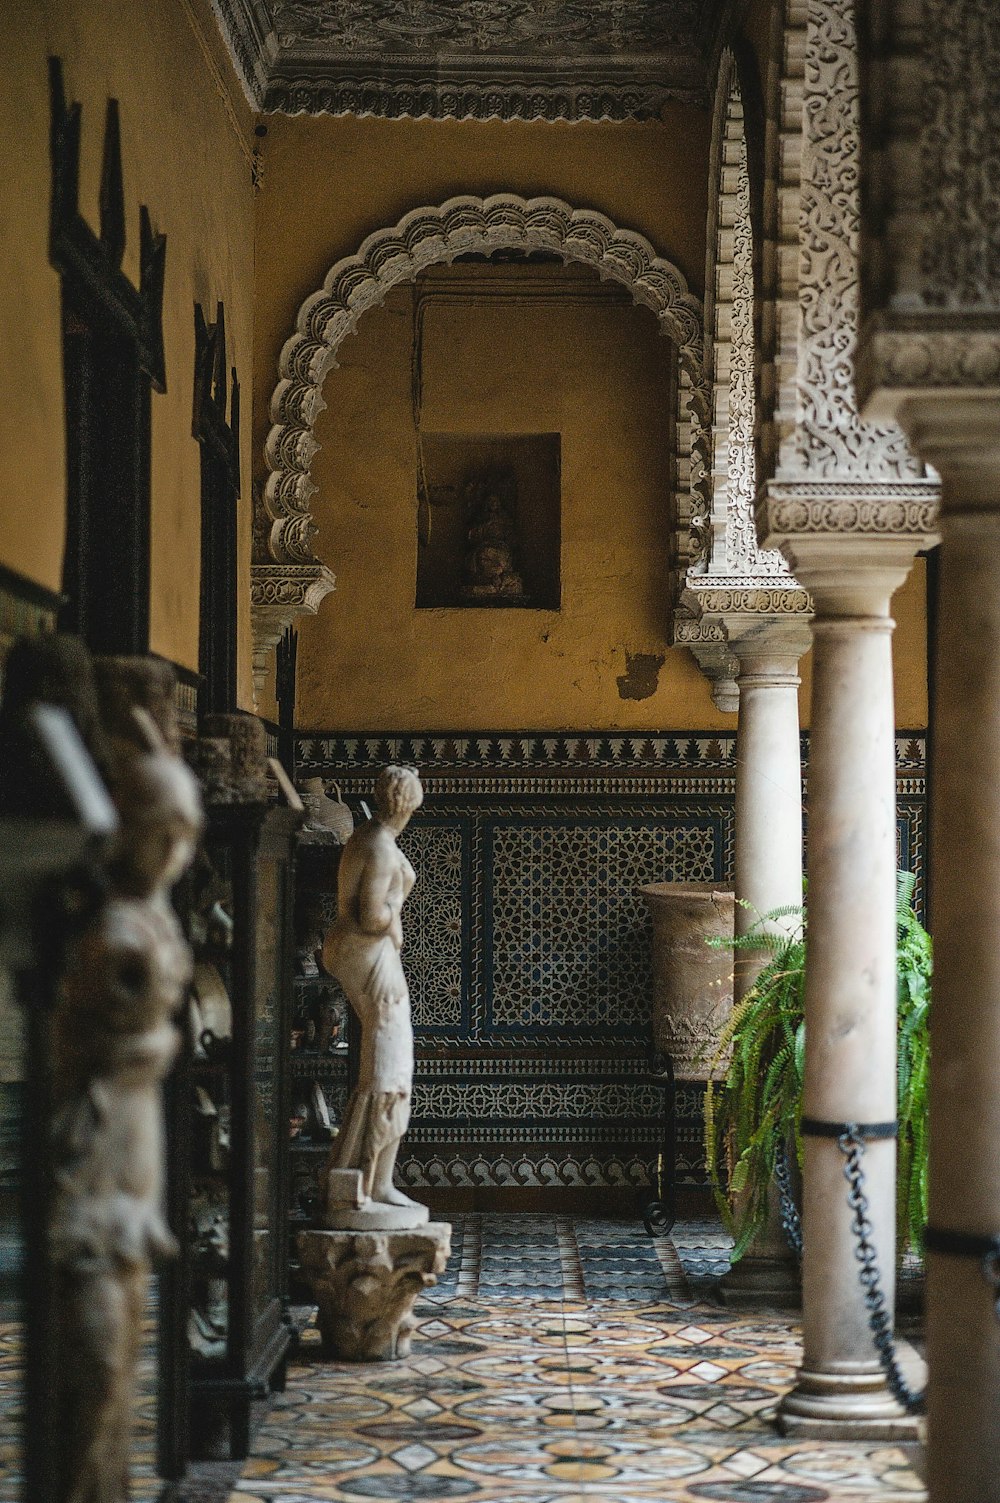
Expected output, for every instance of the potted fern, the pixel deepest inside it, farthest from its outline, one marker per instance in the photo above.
(752, 1117)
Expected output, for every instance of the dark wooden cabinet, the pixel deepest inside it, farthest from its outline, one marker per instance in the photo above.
(226, 1300)
(319, 1030)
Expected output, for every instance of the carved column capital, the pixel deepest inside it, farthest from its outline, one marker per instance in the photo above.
(278, 594)
(850, 542)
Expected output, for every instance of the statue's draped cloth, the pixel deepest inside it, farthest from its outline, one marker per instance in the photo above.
(371, 973)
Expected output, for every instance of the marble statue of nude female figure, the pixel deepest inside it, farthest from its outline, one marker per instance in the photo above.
(362, 951)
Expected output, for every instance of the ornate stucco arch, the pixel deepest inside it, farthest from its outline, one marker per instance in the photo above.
(288, 578)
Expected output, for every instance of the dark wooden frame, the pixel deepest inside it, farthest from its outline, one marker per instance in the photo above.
(211, 1404)
(113, 358)
(216, 392)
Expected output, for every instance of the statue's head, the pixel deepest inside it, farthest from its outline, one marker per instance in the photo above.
(159, 802)
(398, 793)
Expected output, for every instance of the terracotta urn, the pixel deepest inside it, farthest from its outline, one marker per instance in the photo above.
(692, 980)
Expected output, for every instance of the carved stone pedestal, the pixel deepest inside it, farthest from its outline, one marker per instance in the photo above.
(366, 1283)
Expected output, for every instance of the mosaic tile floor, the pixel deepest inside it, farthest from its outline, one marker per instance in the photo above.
(565, 1361)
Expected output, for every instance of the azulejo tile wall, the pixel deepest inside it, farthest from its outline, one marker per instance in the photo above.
(527, 947)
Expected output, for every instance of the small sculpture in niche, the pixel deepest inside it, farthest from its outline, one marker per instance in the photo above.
(491, 524)
(362, 951)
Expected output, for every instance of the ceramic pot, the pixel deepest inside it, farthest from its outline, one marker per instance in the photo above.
(692, 981)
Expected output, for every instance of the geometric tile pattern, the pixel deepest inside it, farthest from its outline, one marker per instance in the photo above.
(568, 933)
(527, 951)
(564, 1362)
(435, 950)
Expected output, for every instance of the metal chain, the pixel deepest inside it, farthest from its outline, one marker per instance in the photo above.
(991, 1273)
(879, 1321)
(791, 1221)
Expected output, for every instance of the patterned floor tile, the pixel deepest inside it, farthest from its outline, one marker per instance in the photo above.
(566, 1362)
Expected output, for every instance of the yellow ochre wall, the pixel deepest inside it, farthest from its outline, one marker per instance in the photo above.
(370, 660)
(187, 137)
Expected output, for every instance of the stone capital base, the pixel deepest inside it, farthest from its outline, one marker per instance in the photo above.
(845, 1406)
(366, 1283)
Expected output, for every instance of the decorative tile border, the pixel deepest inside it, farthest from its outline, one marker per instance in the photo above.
(528, 952)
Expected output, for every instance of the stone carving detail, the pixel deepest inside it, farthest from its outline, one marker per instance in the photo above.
(780, 251)
(366, 1284)
(960, 155)
(929, 358)
(426, 237)
(580, 59)
(725, 551)
(742, 553)
(492, 543)
(113, 1040)
(766, 600)
(883, 513)
(508, 28)
(932, 224)
(509, 97)
(279, 593)
(831, 438)
(692, 993)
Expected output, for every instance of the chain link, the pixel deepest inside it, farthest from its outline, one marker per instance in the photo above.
(991, 1273)
(791, 1221)
(879, 1320)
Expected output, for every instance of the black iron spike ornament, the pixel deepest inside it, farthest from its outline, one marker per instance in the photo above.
(64, 144)
(112, 195)
(152, 269)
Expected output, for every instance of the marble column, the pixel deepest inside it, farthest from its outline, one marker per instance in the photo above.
(768, 864)
(850, 986)
(768, 873)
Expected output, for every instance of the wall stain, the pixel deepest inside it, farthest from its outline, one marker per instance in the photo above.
(641, 677)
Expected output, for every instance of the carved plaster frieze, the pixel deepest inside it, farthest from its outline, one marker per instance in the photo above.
(575, 30)
(746, 598)
(901, 359)
(849, 509)
(930, 344)
(279, 593)
(831, 438)
(506, 97)
(780, 250)
(491, 59)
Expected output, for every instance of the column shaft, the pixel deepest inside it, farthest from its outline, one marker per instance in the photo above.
(963, 1333)
(768, 875)
(850, 1012)
(768, 798)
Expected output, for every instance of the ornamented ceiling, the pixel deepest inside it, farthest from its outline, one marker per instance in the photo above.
(479, 59)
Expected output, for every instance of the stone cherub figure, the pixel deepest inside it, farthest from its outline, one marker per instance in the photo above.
(113, 1041)
(363, 951)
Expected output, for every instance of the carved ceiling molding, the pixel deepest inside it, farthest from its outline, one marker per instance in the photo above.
(931, 215)
(486, 59)
(430, 236)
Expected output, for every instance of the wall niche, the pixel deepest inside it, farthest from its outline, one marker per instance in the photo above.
(488, 520)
